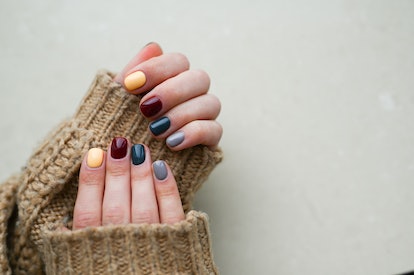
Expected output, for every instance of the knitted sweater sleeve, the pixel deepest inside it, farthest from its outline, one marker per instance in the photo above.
(48, 185)
(182, 248)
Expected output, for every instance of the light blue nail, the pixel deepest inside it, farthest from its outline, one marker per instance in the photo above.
(175, 139)
(160, 170)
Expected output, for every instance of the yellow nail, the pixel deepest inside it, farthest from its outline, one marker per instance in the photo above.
(95, 157)
(135, 80)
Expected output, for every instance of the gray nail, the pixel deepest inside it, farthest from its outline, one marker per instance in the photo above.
(160, 169)
(175, 139)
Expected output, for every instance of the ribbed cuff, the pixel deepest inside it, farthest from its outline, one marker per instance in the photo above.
(182, 248)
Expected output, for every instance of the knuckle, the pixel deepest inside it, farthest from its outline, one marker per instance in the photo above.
(202, 76)
(182, 59)
(145, 216)
(117, 169)
(115, 215)
(90, 179)
(215, 104)
(86, 218)
(140, 176)
(167, 191)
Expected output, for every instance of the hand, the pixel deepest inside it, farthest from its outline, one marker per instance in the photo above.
(124, 186)
(176, 102)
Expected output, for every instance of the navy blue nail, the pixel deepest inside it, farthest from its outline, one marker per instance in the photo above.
(137, 154)
(160, 125)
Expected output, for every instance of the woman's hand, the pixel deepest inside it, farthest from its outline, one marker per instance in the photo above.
(176, 101)
(124, 186)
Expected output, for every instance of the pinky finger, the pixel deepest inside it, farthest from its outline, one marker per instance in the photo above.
(205, 132)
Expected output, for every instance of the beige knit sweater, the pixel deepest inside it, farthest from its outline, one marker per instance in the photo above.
(36, 203)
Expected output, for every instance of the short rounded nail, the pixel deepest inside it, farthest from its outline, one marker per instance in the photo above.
(151, 107)
(137, 154)
(160, 170)
(175, 139)
(119, 148)
(95, 158)
(135, 80)
(160, 125)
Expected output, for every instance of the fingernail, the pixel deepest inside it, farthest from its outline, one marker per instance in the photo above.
(135, 80)
(137, 154)
(175, 139)
(148, 44)
(160, 125)
(151, 107)
(119, 148)
(160, 170)
(95, 158)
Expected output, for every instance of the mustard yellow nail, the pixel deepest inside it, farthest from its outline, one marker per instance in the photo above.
(135, 80)
(95, 157)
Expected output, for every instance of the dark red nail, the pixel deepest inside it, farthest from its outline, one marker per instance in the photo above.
(119, 148)
(151, 107)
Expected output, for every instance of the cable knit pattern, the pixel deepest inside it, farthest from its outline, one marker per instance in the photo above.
(46, 189)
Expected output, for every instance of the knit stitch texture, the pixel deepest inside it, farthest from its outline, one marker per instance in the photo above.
(35, 204)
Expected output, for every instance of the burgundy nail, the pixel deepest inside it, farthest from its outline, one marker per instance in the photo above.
(119, 148)
(151, 107)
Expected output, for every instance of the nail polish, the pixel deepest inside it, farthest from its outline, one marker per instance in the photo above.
(119, 148)
(137, 154)
(151, 107)
(95, 158)
(160, 125)
(135, 80)
(160, 170)
(175, 139)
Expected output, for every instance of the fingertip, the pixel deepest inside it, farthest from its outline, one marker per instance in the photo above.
(149, 51)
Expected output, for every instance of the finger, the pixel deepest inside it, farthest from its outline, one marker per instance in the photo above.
(174, 91)
(152, 72)
(205, 132)
(149, 51)
(169, 202)
(144, 207)
(116, 205)
(88, 205)
(205, 107)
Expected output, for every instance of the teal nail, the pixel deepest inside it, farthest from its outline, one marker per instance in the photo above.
(160, 170)
(160, 125)
(137, 154)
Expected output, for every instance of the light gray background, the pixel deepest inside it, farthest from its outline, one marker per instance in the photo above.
(318, 98)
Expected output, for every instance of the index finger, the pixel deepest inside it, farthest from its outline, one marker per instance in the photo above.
(149, 51)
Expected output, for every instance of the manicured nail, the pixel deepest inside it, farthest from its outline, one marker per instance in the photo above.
(160, 125)
(135, 80)
(119, 148)
(137, 154)
(175, 139)
(151, 107)
(95, 158)
(160, 170)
